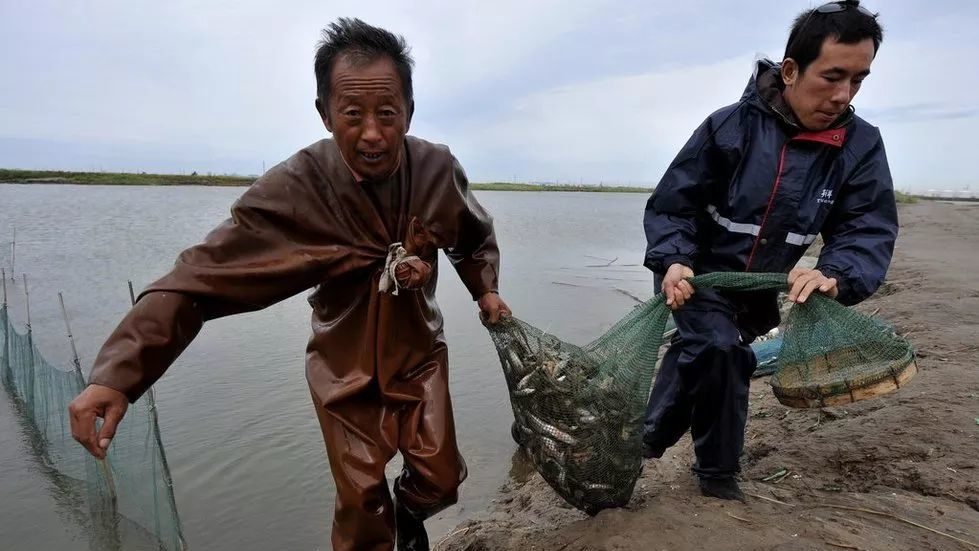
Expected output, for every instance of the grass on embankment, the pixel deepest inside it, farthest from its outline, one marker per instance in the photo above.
(143, 179)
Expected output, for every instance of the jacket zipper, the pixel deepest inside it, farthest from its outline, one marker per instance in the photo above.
(771, 201)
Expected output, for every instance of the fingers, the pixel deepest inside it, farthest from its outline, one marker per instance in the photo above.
(811, 285)
(113, 415)
(830, 287)
(505, 312)
(492, 309)
(83, 429)
(677, 293)
(795, 273)
(798, 282)
(805, 282)
(686, 289)
(493, 316)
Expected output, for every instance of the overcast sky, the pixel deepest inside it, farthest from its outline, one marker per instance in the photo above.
(529, 90)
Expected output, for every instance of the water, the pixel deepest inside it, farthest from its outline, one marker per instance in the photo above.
(248, 461)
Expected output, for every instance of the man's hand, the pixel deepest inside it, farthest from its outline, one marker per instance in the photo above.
(96, 401)
(676, 287)
(802, 282)
(492, 308)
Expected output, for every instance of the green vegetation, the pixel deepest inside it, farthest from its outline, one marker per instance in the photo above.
(905, 197)
(143, 179)
(504, 186)
(119, 178)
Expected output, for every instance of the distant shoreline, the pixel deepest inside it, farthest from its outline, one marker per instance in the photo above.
(10, 176)
(13, 176)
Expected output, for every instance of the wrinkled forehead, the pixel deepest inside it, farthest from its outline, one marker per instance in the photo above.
(355, 75)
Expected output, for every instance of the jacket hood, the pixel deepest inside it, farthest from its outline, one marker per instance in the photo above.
(765, 89)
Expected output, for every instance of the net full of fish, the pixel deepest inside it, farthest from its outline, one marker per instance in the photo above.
(578, 411)
(579, 424)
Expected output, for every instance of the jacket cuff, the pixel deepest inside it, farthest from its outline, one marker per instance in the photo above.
(844, 293)
(662, 264)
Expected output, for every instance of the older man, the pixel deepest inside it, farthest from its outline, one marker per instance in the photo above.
(360, 217)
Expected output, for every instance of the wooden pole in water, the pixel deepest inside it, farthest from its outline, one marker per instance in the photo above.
(71, 338)
(13, 256)
(164, 466)
(5, 369)
(29, 390)
(103, 463)
(27, 303)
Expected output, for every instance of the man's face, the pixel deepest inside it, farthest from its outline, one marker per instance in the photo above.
(368, 115)
(822, 93)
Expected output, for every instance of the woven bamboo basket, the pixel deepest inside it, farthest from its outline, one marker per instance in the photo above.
(821, 381)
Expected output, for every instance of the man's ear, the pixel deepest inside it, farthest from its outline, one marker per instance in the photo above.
(324, 111)
(790, 71)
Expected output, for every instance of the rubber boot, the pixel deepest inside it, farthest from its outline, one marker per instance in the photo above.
(410, 529)
(721, 488)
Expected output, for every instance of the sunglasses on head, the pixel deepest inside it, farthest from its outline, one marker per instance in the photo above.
(832, 7)
(843, 5)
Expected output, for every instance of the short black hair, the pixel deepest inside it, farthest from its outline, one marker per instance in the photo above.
(811, 28)
(360, 43)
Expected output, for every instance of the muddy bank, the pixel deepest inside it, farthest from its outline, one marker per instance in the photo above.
(878, 475)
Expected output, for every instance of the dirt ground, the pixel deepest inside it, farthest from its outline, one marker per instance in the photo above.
(897, 472)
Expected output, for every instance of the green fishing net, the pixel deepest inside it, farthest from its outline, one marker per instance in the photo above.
(125, 502)
(578, 410)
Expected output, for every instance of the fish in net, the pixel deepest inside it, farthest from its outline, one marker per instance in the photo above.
(579, 410)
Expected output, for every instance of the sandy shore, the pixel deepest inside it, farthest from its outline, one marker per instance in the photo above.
(885, 474)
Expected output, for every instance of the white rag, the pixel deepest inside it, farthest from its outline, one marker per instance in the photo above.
(397, 255)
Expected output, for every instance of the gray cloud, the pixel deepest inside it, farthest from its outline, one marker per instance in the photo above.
(918, 112)
(545, 90)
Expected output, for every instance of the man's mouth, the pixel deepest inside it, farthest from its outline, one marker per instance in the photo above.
(371, 156)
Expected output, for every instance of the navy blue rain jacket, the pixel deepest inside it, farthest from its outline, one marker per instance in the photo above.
(751, 190)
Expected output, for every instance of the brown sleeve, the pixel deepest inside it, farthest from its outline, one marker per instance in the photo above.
(475, 256)
(276, 244)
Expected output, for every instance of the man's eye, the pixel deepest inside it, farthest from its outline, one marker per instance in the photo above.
(352, 112)
(833, 80)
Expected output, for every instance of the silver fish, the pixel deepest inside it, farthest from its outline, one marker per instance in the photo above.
(516, 366)
(543, 428)
(585, 417)
(551, 448)
(522, 384)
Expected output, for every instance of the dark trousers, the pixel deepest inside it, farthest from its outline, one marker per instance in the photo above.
(702, 385)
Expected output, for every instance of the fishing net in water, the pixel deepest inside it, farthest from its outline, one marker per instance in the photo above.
(124, 502)
(578, 410)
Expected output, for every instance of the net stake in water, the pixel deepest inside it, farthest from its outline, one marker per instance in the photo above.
(103, 463)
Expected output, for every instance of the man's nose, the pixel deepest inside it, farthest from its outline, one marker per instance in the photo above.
(372, 130)
(843, 93)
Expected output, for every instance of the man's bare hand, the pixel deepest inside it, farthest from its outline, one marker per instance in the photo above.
(492, 308)
(803, 282)
(97, 401)
(676, 287)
